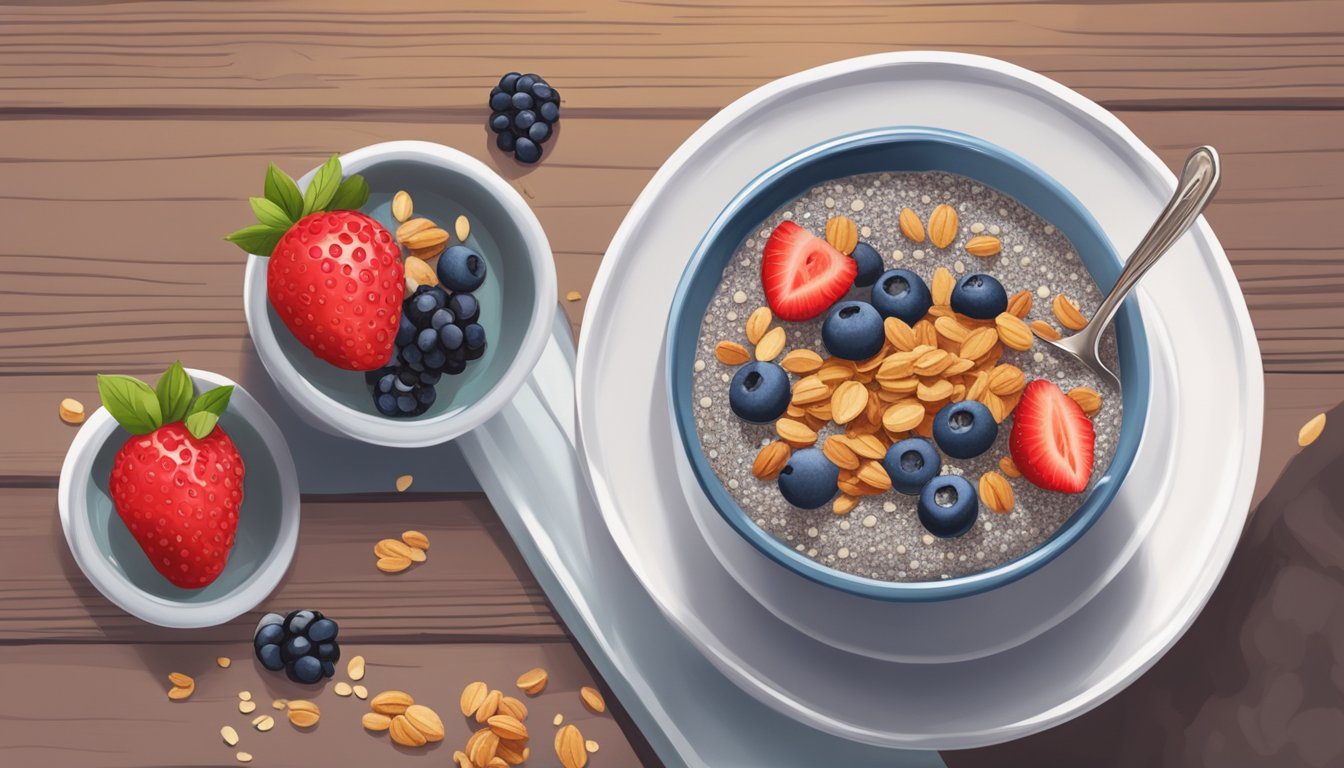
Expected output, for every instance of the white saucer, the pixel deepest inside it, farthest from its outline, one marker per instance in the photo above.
(979, 625)
(1217, 412)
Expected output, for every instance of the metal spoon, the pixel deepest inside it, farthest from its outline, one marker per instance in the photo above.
(1196, 187)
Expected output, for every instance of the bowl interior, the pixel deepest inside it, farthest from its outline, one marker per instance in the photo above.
(903, 149)
(259, 520)
(442, 195)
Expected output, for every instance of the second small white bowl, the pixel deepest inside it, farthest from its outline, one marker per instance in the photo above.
(518, 300)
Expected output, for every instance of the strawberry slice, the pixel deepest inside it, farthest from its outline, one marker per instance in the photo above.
(1052, 439)
(802, 274)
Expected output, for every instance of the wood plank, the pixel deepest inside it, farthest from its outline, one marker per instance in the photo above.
(474, 587)
(656, 58)
(108, 707)
(158, 193)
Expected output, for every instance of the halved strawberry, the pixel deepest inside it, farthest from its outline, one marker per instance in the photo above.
(802, 274)
(1052, 439)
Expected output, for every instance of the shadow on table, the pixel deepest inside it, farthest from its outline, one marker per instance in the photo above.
(1259, 678)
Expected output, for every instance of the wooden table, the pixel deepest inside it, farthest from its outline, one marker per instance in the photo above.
(132, 132)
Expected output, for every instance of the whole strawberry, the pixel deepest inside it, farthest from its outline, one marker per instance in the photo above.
(177, 483)
(334, 275)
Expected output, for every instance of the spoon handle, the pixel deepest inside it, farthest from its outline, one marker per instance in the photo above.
(1196, 187)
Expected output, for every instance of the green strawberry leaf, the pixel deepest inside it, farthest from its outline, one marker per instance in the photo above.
(258, 238)
(269, 213)
(214, 401)
(131, 402)
(323, 186)
(351, 195)
(201, 424)
(173, 393)
(281, 190)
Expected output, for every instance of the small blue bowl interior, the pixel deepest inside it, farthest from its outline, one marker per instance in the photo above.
(440, 195)
(904, 149)
(258, 521)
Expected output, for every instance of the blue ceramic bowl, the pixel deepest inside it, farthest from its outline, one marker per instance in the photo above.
(903, 149)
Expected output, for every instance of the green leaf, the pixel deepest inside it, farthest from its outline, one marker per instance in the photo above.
(131, 402)
(323, 186)
(281, 190)
(269, 213)
(351, 195)
(201, 424)
(214, 401)
(173, 393)
(258, 238)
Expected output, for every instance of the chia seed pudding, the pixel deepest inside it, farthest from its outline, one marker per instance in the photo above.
(882, 538)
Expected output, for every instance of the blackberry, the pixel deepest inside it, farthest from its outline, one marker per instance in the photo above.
(303, 644)
(524, 110)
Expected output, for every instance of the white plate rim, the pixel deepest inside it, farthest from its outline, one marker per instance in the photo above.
(1238, 491)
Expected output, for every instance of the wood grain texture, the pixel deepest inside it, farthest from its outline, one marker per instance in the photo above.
(655, 58)
(109, 709)
(473, 587)
(156, 283)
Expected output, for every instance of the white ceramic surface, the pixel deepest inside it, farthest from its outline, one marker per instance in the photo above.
(447, 172)
(969, 627)
(258, 560)
(1062, 672)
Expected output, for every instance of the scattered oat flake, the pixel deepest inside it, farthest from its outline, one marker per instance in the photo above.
(1311, 430)
(279, 704)
(573, 296)
(71, 411)
(223, 662)
(247, 707)
(244, 757)
(590, 745)
(229, 735)
(244, 695)
(740, 297)
(404, 482)
(856, 206)
(360, 691)
(558, 719)
(264, 723)
(342, 689)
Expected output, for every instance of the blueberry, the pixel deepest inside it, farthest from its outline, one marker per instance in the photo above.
(474, 335)
(461, 269)
(385, 384)
(539, 132)
(759, 392)
(526, 82)
(549, 111)
(869, 262)
(948, 506)
(405, 331)
(328, 651)
(901, 293)
(473, 353)
(465, 307)
(522, 101)
(450, 337)
(423, 308)
(508, 82)
(427, 339)
(911, 464)
(269, 635)
(307, 669)
(542, 91)
(500, 122)
(979, 296)
(297, 621)
(964, 430)
(386, 405)
(430, 378)
(500, 101)
(441, 318)
(406, 403)
(269, 656)
(808, 480)
(853, 331)
(412, 355)
(294, 647)
(328, 669)
(505, 141)
(427, 395)
(524, 120)
(526, 150)
(435, 358)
